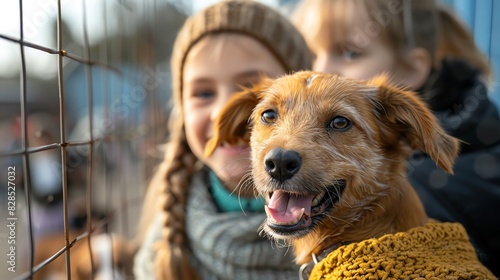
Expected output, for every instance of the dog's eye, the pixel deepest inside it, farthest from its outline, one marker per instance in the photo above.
(268, 116)
(340, 123)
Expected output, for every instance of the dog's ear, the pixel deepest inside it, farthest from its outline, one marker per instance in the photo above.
(231, 125)
(405, 114)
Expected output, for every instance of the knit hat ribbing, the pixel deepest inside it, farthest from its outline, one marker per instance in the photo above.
(250, 18)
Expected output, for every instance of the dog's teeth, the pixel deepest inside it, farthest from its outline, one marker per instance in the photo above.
(301, 214)
(315, 202)
(267, 211)
(296, 220)
(272, 220)
(318, 198)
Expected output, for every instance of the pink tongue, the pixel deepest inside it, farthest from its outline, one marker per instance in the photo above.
(285, 208)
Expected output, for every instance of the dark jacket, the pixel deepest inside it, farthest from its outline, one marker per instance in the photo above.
(471, 196)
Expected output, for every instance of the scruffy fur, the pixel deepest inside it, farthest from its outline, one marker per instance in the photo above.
(386, 125)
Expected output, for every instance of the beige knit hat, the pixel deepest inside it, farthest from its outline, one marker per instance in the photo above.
(251, 18)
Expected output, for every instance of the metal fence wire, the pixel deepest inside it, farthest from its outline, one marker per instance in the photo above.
(84, 90)
(80, 136)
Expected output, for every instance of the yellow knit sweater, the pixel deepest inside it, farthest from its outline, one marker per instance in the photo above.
(433, 251)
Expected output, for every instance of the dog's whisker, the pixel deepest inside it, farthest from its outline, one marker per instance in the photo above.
(287, 249)
(339, 221)
(245, 183)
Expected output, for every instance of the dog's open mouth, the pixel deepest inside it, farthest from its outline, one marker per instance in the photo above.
(296, 214)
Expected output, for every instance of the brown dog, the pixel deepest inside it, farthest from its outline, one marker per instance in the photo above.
(329, 155)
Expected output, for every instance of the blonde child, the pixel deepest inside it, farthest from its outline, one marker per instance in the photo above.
(424, 47)
(197, 221)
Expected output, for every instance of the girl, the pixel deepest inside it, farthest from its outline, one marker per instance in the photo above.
(424, 47)
(196, 222)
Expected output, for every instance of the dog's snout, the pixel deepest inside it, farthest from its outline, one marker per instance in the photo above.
(282, 164)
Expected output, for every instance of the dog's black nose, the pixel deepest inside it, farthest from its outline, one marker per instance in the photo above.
(282, 164)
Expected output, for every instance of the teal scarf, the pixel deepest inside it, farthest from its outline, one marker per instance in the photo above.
(231, 202)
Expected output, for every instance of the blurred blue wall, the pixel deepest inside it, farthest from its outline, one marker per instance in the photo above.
(483, 18)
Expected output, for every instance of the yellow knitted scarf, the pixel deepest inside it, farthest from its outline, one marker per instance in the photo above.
(434, 251)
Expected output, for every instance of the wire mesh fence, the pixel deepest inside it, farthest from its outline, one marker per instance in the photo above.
(84, 86)
(82, 114)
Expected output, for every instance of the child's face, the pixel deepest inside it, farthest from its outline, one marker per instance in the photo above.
(213, 71)
(353, 48)
(348, 60)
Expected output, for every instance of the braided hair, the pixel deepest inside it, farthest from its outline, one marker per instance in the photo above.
(172, 259)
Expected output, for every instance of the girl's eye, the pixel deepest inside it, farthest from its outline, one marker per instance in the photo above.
(204, 94)
(268, 117)
(339, 123)
(350, 55)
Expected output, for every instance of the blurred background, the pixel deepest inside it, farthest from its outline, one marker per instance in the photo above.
(106, 99)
